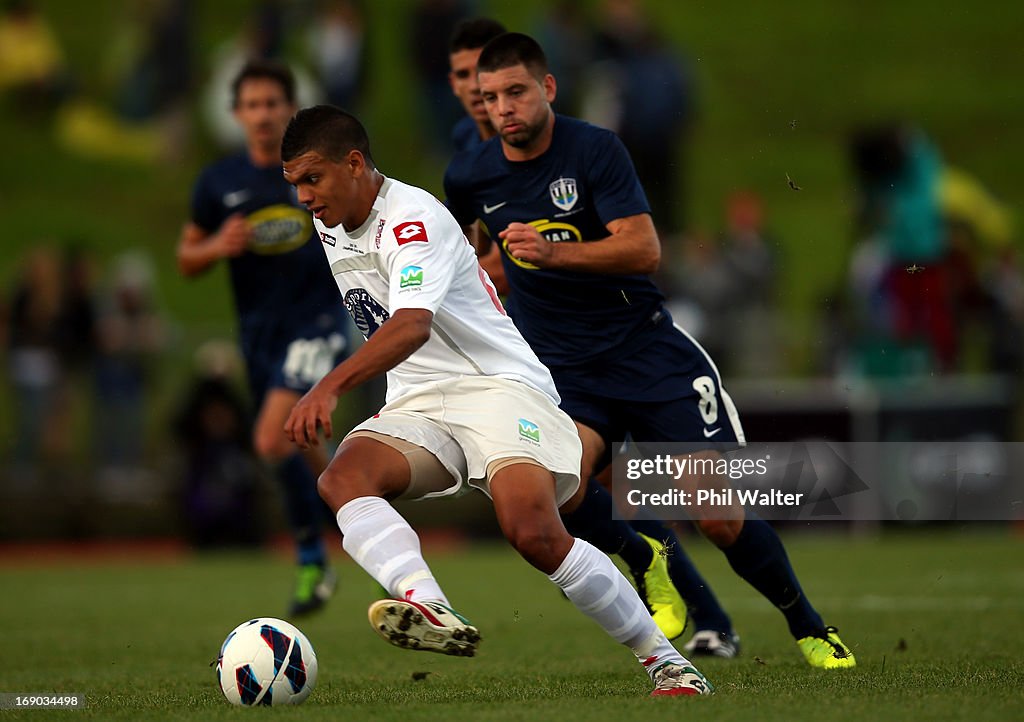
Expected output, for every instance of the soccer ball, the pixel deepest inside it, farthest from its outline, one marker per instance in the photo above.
(266, 661)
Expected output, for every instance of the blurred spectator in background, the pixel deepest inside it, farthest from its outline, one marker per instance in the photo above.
(722, 291)
(431, 24)
(642, 89)
(155, 59)
(336, 42)
(31, 60)
(262, 37)
(34, 358)
(131, 336)
(77, 347)
(220, 492)
(927, 235)
(902, 284)
(748, 250)
(565, 35)
(149, 71)
(1004, 284)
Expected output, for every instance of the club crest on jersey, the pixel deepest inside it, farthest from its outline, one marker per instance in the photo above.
(411, 277)
(409, 232)
(529, 431)
(365, 311)
(563, 193)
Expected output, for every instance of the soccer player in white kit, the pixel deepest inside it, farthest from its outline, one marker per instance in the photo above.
(468, 403)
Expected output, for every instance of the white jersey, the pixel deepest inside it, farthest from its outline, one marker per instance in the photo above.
(411, 253)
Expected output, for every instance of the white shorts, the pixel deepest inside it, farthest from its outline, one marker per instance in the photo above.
(470, 422)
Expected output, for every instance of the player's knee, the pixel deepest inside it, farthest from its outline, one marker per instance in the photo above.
(720, 532)
(542, 545)
(341, 483)
(337, 487)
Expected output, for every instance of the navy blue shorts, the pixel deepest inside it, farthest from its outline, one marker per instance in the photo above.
(296, 360)
(668, 390)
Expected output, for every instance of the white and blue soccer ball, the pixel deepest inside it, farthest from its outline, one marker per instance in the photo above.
(266, 661)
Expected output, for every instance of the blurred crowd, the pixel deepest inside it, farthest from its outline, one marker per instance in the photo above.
(934, 281)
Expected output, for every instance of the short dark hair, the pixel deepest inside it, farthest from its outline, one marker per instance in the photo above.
(328, 130)
(510, 49)
(269, 69)
(474, 33)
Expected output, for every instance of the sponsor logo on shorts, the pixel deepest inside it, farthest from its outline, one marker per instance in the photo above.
(529, 431)
(411, 276)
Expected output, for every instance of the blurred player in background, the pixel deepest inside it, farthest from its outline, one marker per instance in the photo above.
(291, 320)
(468, 39)
(648, 543)
(578, 246)
(468, 404)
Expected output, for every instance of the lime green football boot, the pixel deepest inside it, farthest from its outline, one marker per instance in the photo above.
(314, 585)
(827, 652)
(656, 589)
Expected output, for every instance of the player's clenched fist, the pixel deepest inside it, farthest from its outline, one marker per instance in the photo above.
(234, 235)
(525, 243)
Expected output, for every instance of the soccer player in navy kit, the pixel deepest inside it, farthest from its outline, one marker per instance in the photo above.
(714, 634)
(578, 242)
(292, 326)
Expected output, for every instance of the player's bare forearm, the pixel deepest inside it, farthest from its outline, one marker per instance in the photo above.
(396, 340)
(198, 250)
(631, 248)
(480, 241)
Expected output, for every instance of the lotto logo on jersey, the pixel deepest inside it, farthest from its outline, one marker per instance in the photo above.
(409, 232)
(529, 431)
(411, 277)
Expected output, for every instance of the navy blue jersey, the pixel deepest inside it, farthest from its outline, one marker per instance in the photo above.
(282, 282)
(581, 183)
(465, 134)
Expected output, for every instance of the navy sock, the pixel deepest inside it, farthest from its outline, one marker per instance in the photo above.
(758, 556)
(701, 602)
(305, 509)
(592, 521)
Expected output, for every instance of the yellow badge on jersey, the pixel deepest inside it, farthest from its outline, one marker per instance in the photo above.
(279, 229)
(553, 231)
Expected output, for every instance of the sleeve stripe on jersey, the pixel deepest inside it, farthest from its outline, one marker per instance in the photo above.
(489, 287)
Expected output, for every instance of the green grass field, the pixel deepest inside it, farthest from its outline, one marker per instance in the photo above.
(935, 620)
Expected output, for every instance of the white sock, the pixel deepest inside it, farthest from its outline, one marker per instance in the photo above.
(597, 588)
(384, 544)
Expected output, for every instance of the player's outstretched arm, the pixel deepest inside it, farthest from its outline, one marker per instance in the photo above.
(198, 249)
(631, 248)
(395, 341)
